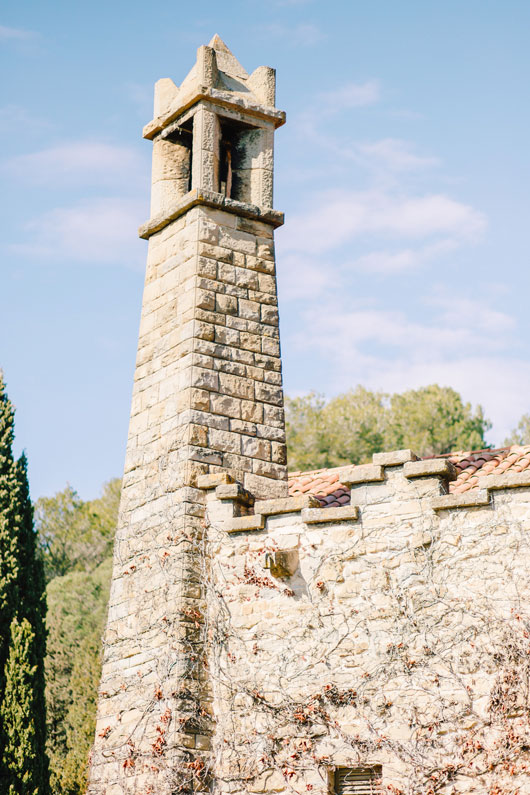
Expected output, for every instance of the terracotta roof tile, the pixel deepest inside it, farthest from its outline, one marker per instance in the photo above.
(325, 484)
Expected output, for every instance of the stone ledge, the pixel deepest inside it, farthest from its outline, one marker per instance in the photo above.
(246, 523)
(286, 505)
(470, 499)
(394, 458)
(339, 514)
(508, 480)
(209, 198)
(364, 473)
(217, 97)
(235, 492)
(433, 467)
(214, 480)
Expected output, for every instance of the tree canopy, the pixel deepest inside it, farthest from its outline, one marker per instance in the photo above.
(351, 427)
(521, 433)
(75, 539)
(23, 760)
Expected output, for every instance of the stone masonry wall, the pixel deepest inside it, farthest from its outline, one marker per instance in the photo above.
(207, 398)
(393, 632)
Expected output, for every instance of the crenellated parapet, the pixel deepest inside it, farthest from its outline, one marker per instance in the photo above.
(397, 478)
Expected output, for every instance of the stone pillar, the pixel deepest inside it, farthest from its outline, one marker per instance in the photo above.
(207, 399)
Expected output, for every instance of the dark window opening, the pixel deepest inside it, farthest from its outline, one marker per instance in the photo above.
(236, 150)
(358, 780)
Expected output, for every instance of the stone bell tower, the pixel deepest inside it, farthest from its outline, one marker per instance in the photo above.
(207, 400)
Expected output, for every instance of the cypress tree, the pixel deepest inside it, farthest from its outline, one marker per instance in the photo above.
(23, 761)
(9, 525)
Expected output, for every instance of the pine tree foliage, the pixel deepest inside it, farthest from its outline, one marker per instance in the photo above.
(351, 427)
(75, 539)
(23, 766)
(9, 526)
(23, 761)
(77, 608)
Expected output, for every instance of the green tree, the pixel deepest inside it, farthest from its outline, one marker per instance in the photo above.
(76, 545)
(24, 768)
(521, 433)
(77, 608)
(75, 535)
(354, 425)
(9, 527)
(23, 761)
(434, 420)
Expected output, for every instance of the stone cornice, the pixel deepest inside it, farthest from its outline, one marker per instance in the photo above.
(210, 199)
(223, 98)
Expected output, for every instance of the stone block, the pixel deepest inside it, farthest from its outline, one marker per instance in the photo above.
(286, 505)
(237, 387)
(268, 393)
(225, 405)
(339, 514)
(470, 499)
(235, 492)
(226, 304)
(251, 412)
(431, 467)
(246, 523)
(363, 473)
(507, 480)
(394, 458)
(224, 441)
(279, 452)
(256, 448)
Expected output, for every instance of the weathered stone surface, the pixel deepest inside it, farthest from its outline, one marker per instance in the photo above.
(433, 467)
(200, 419)
(286, 505)
(394, 458)
(363, 473)
(319, 515)
(246, 523)
(509, 480)
(235, 492)
(475, 497)
(214, 480)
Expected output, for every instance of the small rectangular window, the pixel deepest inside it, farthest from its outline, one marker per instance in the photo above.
(358, 780)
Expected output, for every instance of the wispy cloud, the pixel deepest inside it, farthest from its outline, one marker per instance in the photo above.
(13, 117)
(303, 34)
(466, 342)
(396, 155)
(96, 232)
(15, 34)
(80, 162)
(389, 261)
(351, 95)
(337, 217)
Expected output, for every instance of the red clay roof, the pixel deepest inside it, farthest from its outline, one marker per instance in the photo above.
(325, 484)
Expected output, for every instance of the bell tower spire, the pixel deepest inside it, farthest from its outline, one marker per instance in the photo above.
(207, 401)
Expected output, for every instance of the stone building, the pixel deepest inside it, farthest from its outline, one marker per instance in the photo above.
(357, 630)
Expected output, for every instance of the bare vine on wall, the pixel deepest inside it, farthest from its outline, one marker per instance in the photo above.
(421, 672)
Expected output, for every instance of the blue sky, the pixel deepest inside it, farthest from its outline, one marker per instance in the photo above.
(403, 172)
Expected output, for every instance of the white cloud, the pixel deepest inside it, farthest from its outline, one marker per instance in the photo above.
(391, 262)
(80, 162)
(97, 232)
(14, 117)
(339, 217)
(15, 34)
(465, 343)
(395, 154)
(351, 95)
